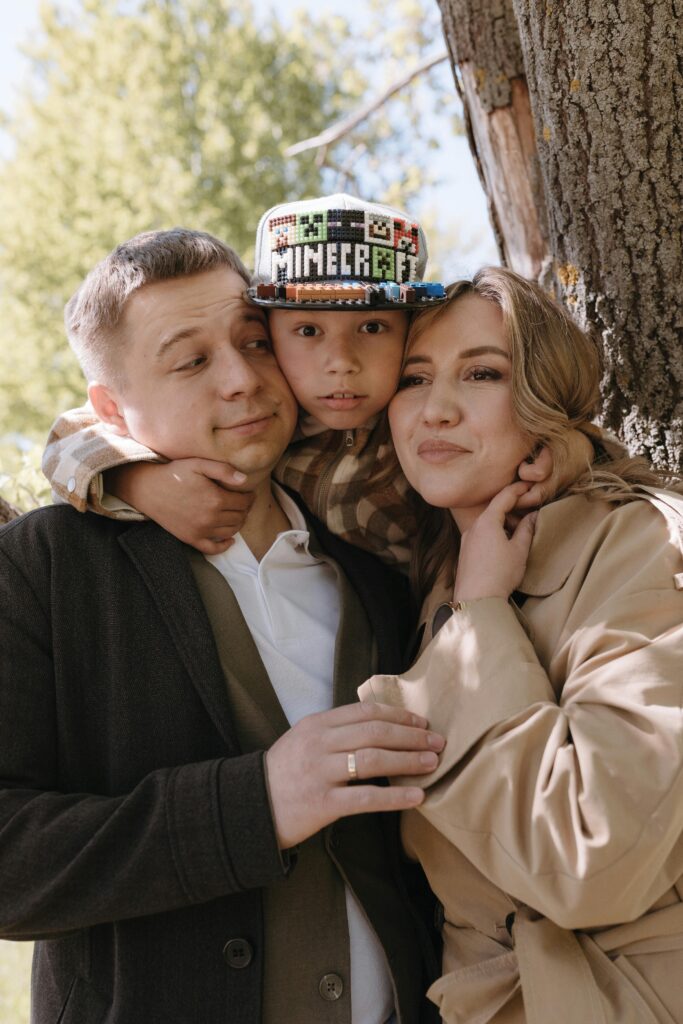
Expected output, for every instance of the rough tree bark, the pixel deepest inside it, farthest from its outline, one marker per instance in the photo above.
(605, 83)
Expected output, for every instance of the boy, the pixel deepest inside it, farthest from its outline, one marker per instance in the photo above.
(340, 278)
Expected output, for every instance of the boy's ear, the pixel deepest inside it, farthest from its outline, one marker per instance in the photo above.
(108, 408)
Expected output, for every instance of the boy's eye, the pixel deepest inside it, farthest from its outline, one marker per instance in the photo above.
(308, 330)
(373, 327)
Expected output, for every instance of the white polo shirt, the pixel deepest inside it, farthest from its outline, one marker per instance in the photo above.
(290, 601)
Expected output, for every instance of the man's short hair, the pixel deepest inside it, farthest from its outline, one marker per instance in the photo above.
(94, 313)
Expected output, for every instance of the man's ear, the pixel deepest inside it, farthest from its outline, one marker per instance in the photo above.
(108, 407)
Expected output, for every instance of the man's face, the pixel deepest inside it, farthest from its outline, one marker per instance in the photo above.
(201, 380)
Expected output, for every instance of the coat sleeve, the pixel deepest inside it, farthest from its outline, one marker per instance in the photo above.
(567, 795)
(79, 449)
(182, 835)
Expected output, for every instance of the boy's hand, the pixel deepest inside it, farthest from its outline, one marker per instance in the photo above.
(308, 767)
(191, 498)
(547, 479)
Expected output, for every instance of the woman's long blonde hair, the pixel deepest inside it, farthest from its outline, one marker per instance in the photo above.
(555, 389)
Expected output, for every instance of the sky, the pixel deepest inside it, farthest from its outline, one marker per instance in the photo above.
(459, 192)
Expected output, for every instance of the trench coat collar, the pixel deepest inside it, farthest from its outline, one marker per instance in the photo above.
(562, 530)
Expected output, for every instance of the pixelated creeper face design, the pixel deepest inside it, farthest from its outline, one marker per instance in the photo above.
(406, 237)
(311, 227)
(345, 226)
(282, 231)
(378, 228)
(383, 263)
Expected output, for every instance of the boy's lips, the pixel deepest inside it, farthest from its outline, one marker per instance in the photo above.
(341, 401)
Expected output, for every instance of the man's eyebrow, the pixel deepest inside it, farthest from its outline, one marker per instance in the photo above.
(188, 333)
(173, 339)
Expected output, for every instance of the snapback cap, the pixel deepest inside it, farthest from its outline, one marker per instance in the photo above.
(340, 252)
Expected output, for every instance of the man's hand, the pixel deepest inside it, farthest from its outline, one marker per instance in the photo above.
(492, 558)
(191, 498)
(308, 774)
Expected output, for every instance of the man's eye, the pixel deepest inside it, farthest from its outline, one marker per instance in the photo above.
(192, 364)
(373, 327)
(258, 343)
(307, 330)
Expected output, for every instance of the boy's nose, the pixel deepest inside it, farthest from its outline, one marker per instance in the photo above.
(342, 358)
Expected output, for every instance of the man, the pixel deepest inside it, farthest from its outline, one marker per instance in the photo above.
(171, 870)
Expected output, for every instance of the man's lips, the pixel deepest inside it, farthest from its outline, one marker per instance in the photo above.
(250, 425)
(438, 450)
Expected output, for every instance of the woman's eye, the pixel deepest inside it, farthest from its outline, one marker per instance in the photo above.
(307, 331)
(478, 373)
(372, 327)
(411, 380)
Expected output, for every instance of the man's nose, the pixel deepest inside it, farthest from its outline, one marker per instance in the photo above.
(236, 375)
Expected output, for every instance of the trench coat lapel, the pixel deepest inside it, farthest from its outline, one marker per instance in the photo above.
(163, 563)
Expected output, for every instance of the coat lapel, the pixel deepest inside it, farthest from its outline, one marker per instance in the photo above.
(258, 712)
(163, 563)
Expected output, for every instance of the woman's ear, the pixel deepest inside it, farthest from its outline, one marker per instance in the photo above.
(108, 407)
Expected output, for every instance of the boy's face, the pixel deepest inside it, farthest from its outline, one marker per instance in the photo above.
(201, 380)
(342, 366)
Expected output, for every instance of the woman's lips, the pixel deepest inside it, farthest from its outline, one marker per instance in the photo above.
(439, 451)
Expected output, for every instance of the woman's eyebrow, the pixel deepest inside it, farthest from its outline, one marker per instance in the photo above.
(416, 359)
(482, 350)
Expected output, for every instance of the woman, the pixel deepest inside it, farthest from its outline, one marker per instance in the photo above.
(551, 831)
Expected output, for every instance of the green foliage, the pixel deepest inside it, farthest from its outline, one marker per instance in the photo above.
(15, 970)
(21, 480)
(142, 114)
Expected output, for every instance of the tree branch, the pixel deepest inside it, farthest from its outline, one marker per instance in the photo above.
(347, 124)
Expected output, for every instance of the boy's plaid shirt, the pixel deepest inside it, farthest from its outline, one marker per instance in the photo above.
(330, 469)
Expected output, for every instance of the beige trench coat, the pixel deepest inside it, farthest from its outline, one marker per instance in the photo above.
(552, 831)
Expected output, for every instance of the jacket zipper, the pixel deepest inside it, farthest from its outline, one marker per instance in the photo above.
(325, 478)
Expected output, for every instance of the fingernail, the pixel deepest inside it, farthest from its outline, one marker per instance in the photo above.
(238, 477)
(420, 723)
(428, 759)
(414, 796)
(435, 741)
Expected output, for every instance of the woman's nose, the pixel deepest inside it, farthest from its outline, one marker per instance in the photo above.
(441, 406)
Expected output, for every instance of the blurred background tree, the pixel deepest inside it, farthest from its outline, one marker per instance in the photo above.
(142, 114)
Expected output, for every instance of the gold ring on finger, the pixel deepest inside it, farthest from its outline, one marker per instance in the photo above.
(351, 769)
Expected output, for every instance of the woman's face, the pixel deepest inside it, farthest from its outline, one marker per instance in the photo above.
(452, 418)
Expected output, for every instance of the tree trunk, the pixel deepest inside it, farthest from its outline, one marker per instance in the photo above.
(606, 92)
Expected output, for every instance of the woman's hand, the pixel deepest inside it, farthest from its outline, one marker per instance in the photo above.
(492, 559)
(191, 498)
